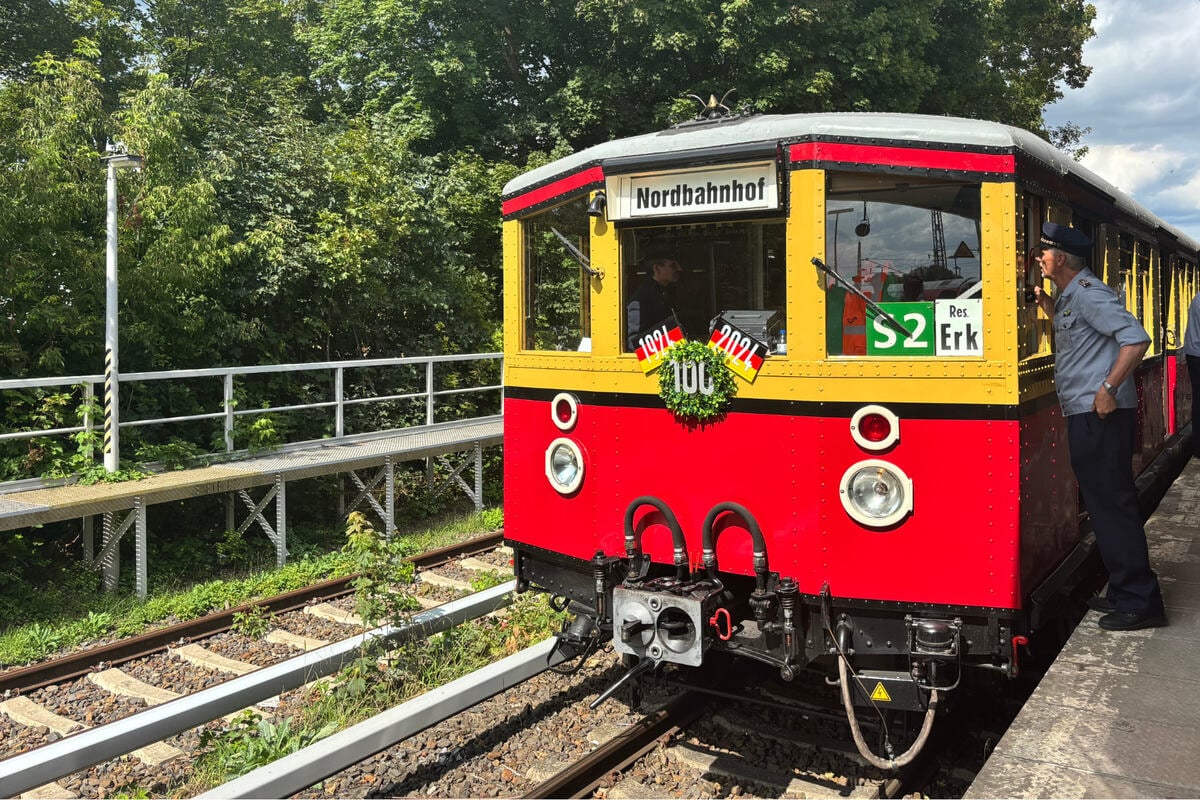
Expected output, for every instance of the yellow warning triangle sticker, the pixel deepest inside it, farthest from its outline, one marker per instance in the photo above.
(881, 694)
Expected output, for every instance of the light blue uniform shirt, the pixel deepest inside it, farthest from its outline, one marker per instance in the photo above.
(1191, 339)
(1091, 325)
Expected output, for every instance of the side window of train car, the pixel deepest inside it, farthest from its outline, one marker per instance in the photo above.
(1034, 327)
(556, 296)
(688, 276)
(1147, 302)
(908, 244)
(1122, 280)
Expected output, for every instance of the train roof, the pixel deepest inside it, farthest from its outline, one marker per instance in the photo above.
(895, 128)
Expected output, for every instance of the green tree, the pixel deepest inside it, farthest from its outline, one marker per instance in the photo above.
(32, 28)
(511, 78)
(51, 218)
(322, 180)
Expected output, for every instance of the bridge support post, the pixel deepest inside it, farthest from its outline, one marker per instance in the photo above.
(389, 492)
(110, 549)
(366, 493)
(474, 492)
(278, 533)
(478, 496)
(139, 547)
(280, 520)
(89, 540)
(110, 554)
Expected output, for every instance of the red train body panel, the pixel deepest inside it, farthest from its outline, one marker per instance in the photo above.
(966, 524)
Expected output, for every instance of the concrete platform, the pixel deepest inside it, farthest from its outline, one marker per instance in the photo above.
(1118, 714)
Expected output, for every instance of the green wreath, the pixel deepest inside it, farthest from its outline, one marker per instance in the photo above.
(683, 357)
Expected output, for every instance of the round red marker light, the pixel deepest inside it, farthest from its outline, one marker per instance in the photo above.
(564, 411)
(875, 427)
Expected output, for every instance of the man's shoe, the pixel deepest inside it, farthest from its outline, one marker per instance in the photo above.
(1120, 621)
(1101, 603)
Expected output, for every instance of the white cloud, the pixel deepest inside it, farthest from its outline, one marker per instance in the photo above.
(1132, 168)
(1142, 103)
(1184, 195)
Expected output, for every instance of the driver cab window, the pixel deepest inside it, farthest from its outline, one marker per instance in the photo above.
(557, 302)
(691, 274)
(903, 241)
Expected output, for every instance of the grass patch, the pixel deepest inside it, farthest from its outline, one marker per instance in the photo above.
(75, 610)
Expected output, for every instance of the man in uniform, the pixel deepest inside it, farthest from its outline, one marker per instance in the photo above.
(1098, 344)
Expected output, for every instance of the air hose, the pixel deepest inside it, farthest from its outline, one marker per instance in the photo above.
(883, 763)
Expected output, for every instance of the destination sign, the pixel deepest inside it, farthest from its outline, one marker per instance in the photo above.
(712, 190)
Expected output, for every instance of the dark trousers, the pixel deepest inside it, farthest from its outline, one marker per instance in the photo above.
(1102, 457)
(1193, 365)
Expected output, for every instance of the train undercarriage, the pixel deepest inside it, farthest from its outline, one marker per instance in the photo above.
(886, 655)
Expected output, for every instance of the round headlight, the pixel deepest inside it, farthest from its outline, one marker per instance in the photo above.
(564, 465)
(876, 493)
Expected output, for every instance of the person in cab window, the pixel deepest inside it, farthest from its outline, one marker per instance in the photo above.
(1098, 344)
(1191, 350)
(654, 300)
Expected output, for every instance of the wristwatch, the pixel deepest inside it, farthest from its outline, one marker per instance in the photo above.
(1108, 387)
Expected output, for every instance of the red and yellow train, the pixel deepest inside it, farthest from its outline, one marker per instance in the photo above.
(863, 466)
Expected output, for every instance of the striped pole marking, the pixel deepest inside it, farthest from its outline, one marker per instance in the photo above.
(108, 399)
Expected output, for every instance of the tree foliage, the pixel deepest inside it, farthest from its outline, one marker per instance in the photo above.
(513, 77)
(322, 177)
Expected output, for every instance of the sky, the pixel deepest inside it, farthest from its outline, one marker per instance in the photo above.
(1142, 103)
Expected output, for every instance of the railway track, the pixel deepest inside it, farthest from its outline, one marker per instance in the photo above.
(542, 739)
(83, 695)
(690, 747)
(80, 663)
(521, 731)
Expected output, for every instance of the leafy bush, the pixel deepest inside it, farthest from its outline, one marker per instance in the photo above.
(493, 518)
(233, 549)
(253, 622)
(252, 742)
(486, 580)
(382, 565)
(175, 454)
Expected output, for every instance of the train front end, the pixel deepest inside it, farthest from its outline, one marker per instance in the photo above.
(813, 458)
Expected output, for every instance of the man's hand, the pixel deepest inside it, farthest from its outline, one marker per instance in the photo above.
(1045, 302)
(1104, 404)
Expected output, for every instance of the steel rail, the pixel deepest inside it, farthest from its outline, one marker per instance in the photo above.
(81, 663)
(344, 749)
(80, 750)
(584, 776)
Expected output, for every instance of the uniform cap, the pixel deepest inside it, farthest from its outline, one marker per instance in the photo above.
(1069, 240)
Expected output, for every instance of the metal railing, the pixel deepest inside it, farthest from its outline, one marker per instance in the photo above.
(229, 412)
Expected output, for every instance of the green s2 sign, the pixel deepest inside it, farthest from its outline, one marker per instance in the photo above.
(885, 340)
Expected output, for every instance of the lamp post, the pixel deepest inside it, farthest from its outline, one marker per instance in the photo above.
(116, 159)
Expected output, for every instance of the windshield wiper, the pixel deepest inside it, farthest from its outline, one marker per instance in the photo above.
(888, 318)
(583, 260)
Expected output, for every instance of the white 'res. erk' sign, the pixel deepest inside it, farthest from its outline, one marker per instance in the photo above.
(958, 327)
(712, 190)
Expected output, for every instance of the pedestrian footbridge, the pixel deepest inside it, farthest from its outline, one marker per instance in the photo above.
(367, 459)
